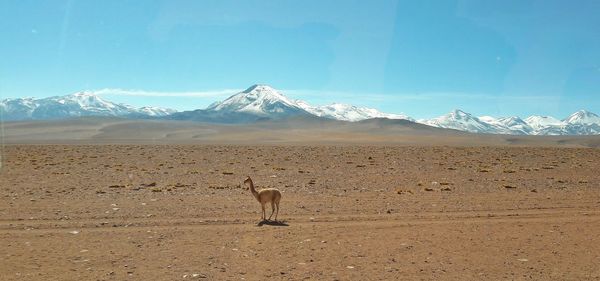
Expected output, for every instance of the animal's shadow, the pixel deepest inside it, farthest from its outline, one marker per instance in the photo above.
(272, 223)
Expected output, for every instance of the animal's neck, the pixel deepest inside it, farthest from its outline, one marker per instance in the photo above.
(254, 192)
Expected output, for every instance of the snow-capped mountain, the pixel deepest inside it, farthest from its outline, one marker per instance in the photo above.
(255, 103)
(153, 111)
(460, 120)
(262, 101)
(537, 122)
(84, 103)
(347, 112)
(515, 125)
(579, 123)
(582, 117)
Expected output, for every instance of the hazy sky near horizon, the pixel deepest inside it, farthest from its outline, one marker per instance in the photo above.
(422, 58)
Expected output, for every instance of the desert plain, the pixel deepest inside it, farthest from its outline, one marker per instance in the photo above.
(103, 201)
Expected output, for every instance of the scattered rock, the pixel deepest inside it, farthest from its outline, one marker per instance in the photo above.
(402, 191)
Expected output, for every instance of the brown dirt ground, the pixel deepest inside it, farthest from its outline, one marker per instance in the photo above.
(178, 212)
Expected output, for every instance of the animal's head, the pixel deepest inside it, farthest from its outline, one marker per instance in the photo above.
(247, 180)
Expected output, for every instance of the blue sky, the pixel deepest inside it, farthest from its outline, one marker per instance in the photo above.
(422, 58)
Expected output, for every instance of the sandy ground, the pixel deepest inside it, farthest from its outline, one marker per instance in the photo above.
(301, 131)
(179, 212)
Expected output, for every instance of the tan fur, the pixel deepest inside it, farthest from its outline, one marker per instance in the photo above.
(264, 196)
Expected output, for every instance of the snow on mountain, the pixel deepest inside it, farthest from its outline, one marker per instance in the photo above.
(84, 103)
(347, 112)
(515, 125)
(488, 119)
(583, 117)
(460, 120)
(13, 109)
(155, 111)
(507, 125)
(537, 122)
(259, 100)
(579, 123)
(262, 101)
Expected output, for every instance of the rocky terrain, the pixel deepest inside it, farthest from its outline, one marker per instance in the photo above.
(374, 212)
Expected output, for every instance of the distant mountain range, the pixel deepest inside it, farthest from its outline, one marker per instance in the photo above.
(261, 102)
(579, 123)
(80, 104)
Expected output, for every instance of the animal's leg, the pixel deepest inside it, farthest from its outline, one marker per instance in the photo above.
(277, 204)
(272, 209)
(263, 212)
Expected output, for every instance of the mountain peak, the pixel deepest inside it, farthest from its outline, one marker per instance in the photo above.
(84, 93)
(260, 100)
(583, 117)
(82, 103)
(459, 114)
(259, 87)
